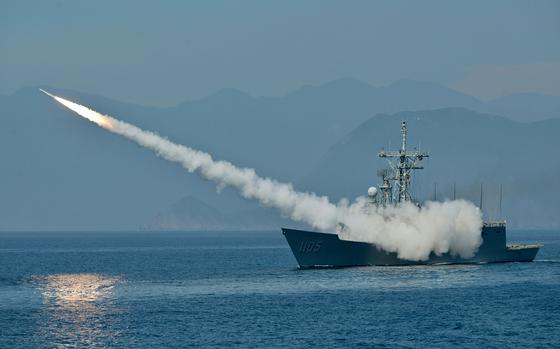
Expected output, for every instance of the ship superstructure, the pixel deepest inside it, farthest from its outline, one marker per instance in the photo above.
(401, 164)
(317, 249)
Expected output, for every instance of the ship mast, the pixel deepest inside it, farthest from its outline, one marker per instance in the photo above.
(402, 163)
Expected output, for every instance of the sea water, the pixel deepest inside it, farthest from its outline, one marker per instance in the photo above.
(243, 289)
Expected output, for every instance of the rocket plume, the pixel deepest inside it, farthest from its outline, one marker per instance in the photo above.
(91, 115)
(410, 231)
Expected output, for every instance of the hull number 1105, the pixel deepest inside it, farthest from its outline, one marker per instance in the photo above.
(310, 246)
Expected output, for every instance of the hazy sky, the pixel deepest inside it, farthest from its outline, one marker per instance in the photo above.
(165, 52)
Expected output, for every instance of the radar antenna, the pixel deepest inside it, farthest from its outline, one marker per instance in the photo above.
(402, 162)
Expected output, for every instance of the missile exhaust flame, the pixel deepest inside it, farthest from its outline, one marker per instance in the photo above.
(101, 120)
(412, 232)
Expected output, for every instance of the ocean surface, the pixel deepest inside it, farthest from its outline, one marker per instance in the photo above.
(243, 289)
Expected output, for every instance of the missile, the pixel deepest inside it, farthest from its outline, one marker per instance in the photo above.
(45, 92)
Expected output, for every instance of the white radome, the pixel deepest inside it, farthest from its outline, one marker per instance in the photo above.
(372, 191)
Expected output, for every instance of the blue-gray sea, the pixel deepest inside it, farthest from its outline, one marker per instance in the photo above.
(243, 289)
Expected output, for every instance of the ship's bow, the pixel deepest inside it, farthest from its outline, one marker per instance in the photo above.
(316, 250)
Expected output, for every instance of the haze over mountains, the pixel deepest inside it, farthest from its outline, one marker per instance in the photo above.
(60, 172)
(466, 149)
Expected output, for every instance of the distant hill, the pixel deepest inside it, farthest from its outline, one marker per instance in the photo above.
(59, 172)
(466, 148)
(190, 213)
(526, 107)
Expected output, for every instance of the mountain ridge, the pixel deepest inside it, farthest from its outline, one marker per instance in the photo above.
(467, 149)
(48, 152)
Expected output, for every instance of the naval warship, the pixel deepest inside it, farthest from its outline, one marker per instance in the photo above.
(327, 250)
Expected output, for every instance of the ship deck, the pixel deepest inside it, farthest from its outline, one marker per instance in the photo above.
(522, 246)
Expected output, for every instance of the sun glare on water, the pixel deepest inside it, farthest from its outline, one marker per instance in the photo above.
(72, 290)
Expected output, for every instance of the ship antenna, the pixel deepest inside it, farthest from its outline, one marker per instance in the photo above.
(480, 196)
(403, 182)
(402, 162)
(454, 191)
(404, 132)
(435, 191)
(500, 212)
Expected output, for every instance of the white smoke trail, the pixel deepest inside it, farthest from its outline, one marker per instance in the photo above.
(412, 232)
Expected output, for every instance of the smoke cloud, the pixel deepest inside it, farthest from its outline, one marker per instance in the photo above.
(410, 231)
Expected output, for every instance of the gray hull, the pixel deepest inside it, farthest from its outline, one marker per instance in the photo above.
(316, 250)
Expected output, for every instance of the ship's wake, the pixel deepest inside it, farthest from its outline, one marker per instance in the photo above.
(412, 232)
